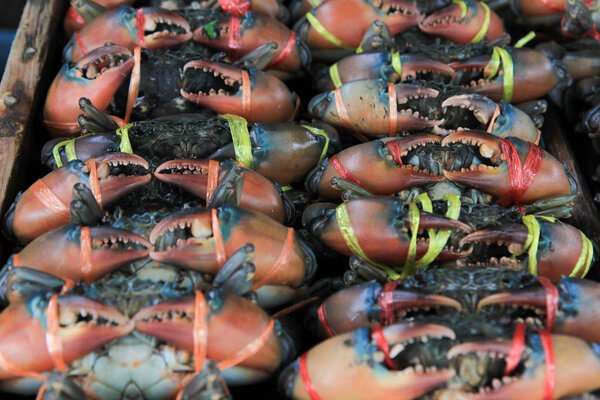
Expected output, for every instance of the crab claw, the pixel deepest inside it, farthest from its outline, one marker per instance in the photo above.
(45, 205)
(382, 167)
(381, 226)
(576, 368)
(359, 306)
(229, 315)
(249, 189)
(464, 21)
(83, 326)
(86, 147)
(162, 29)
(257, 30)
(534, 75)
(251, 94)
(366, 104)
(490, 172)
(379, 66)
(60, 253)
(359, 369)
(510, 121)
(187, 239)
(96, 76)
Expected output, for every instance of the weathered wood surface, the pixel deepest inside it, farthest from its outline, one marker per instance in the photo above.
(19, 94)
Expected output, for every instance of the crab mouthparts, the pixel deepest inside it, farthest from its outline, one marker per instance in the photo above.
(208, 81)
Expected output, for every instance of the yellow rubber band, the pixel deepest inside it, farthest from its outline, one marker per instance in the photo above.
(585, 258)
(525, 39)
(69, 146)
(241, 139)
(463, 7)
(486, 24)
(343, 220)
(319, 132)
(359, 49)
(501, 56)
(125, 145)
(314, 22)
(397, 63)
(335, 75)
(286, 188)
(315, 3)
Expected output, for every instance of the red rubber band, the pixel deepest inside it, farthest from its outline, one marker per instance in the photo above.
(341, 108)
(74, 15)
(140, 21)
(550, 366)
(67, 286)
(551, 301)
(521, 176)
(246, 94)
(53, 342)
(494, 117)
(94, 184)
(344, 173)
(213, 179)
(322, 313)
(134, 83)
(383, 346)
(48, 198)
(86, 254)
(80, 43)
(249, 350)
(200, 334)
(394, 149)
(235, 38)
(393, 109)
(593, 32)
(235, 7)
(516, 349)
(219, 245)
(308, 385)
(282, 261)
(386, 300)
(553, 6)
(289, 46)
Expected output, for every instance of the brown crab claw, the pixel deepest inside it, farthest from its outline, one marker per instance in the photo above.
(226, 89)
(462, 22)
(162, 29)
(96, 76)
(61, 252)
(83, 326)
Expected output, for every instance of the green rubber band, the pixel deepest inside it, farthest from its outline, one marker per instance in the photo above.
(335, 75)
(397, 63)
(69, 146)
(343, 220)
(533, 238)
(463, 7)
(314, 22)
(209, 29)
(359, 49)
(501, 56)
(486, 23)
(585, 258)
(525, 39)
(241, 139)
(286, 188)
(125, 145)
(315, 3)
(320, 132)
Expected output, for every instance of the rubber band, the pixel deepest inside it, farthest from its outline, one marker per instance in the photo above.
(93, 182)
(134, 83)
(53, 342)
(383, 345)
(48, 198)
(213, 179)
(200, 333)
(246, 94)
(241, 139)
(73, 13)
(585, 258)
(550, 366)
(80, 43)
(552, 6)
(397, 63)
(70, 152)
(315, 3)
(344, 173)
(521, 176)
(282, 261)
(334, 74)
(67, 286)
(516, 349)
(17, 260)
(308, 385)
(140, 22)
(219, 245)
(235, 7)
(502, 57)
(525, 39)
(321, 30)
(287, 50)
(40, 394)
(235, 38)
(286, 188)
(341, 108)
(394, 149)
(463, 7)
(393, 105)
(494, 117)
(125, 144)
(323, 319)
(551, 301)
(533, 237)
(319, 132)
(486, 23)
(251, 348)
(386, 301)
(86, 253)
(592, 32)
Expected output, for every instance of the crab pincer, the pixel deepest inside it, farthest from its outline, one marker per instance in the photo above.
(367, 364)
(149, 27)
(249, 93)
(44, 206)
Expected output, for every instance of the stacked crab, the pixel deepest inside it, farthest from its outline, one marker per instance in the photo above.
(196, 198)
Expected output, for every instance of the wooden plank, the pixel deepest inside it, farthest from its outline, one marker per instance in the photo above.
(19, 94)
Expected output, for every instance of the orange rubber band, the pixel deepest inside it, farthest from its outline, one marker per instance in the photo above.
(219, 245)
(282, 260)
(67, 286)
(134, 83)
(94, 184)
(80, 43)
(322, 313)
(393, 109)
(289, 46)
(213, 179)
(341, 108)
(235, 39)
(140, 21)
(49, 198)
(200, 330)
(246, 95)
(40, 394)
(17, 260)
(494, 117)
(53, 342)
(251, 349)
(86, 253)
